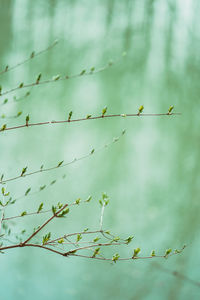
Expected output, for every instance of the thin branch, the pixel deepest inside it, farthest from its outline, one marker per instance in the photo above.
(15, 99)
(72, 234)
(56, 214)
(40, 189)
(86, 119)
(55, 79)
(59, 166)
(33, 55)
(72, 252)
(126, 258)
(17, 115)
(38, 213)
(92, 246)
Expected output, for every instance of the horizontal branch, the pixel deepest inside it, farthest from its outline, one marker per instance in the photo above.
(33, 55)
(26, 125)
(72, 253)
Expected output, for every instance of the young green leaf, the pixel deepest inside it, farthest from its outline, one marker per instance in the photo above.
(115, 257)
(46, 238)
(129, 239)
(27, 120)
(32, 54)
(89, 198)
(170, 109)
(42, 187)
(61, 241)
(135, 253)
(53, 182)
(21, 85)
(167, 252)
(38, 78)
(78, 201)
(3, 127)
(23, 213)
(79, 237)
(23, 171)
(140, 110)
(53, 208)
(40, 207)
(104, 110)
(96, 239)
(64, 212)
(60, 163)
(83, 72)
(70, 116)
(56, 77)
(96, 252)
(18, 114)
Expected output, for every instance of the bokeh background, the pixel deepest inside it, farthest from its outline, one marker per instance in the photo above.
(151, 175)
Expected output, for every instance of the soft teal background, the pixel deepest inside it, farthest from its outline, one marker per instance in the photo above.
(151, 174)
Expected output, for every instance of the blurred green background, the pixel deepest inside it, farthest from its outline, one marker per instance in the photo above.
(151, 174)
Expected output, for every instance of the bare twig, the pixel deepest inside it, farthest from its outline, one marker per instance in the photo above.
(56, 214)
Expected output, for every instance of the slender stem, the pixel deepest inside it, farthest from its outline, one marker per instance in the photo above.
(54, 80)
(61, 166)
(37, 213)
(28, 214)
(7, 69)
(86, 119)
(72, 234)
(41, 227)
(92, 246)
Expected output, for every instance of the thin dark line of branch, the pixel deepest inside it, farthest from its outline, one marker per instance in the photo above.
(57, 166)
(8, 69)
(55, 79)
(90, 118)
